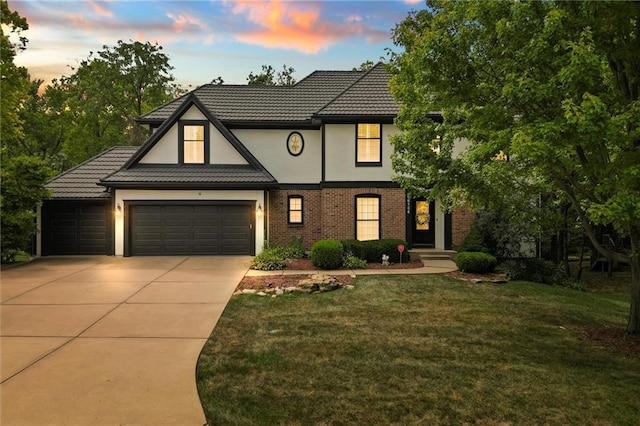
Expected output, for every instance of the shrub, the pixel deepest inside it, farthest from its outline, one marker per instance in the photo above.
(327, 254)
(476, 262)
(473, 242)
(535, 270)
(353, 262)
(372, 251)
(270, 259)
(295, 249)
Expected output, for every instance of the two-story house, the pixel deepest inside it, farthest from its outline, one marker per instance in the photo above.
(229, 167)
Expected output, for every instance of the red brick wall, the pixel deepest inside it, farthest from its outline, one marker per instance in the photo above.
(461, 221)
(330, 212)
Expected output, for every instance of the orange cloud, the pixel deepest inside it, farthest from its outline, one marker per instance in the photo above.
(183, 21)
(101, 10)
(292, 25)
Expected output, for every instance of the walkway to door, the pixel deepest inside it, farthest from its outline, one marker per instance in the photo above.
(109, 340)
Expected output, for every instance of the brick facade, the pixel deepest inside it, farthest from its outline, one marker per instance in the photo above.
(461, 221)
(330, 213)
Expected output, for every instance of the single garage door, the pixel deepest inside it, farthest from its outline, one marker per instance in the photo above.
(210, 229)
(76, 227)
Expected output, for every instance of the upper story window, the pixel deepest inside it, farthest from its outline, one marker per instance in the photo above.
(369, 145)
(367, 217)
(194, 143)
(295, 209)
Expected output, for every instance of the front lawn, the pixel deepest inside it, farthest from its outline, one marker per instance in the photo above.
(421, 350)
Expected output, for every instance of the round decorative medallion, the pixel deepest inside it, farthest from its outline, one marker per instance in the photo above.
(295, 143)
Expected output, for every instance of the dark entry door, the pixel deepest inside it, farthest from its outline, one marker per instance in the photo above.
(423, 223)
(190, 230)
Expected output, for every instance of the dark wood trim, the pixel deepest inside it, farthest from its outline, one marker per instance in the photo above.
(207, 150)
(448, 231)
(360, 184)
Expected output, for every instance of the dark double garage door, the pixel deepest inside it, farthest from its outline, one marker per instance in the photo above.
(151, 228)
(178, 229)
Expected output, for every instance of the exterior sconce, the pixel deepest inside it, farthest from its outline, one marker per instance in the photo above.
(259, 211)
(118, 210)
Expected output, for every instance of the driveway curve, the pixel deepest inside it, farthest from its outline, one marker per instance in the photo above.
(109, 340)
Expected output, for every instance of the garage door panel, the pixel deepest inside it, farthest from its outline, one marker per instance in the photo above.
(190, 229)
(76, 227)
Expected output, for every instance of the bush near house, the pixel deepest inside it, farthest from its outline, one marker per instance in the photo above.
(270, 259)
(327, 254)
(477, 262)
(535, 270)
(353, 262)
(372, 251)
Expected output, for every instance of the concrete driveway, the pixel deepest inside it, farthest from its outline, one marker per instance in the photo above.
(109, 340)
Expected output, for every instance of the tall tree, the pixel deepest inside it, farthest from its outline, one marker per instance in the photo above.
(552, 86)
(269, 77)
(14, 81)
(109, 90)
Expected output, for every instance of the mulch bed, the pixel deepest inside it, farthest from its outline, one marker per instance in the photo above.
(282, 281)
(306, 265)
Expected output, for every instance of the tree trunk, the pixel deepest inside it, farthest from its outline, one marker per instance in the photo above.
(633, 326)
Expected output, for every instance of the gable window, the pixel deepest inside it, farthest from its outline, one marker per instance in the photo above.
(295, 209)
(367, 217)
(194, 143)
(368, 145)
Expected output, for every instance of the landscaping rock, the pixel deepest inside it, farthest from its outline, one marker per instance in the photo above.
(319, 283)
(249, 291)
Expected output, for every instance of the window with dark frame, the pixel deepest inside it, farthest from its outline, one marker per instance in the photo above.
(368, 144)
(193, 143)
(295, 209)
(367, 217)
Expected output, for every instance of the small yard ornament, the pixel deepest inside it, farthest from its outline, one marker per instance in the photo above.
(385, 260)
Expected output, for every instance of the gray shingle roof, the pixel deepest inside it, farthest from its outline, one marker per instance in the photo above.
(297, 103)
(369, 96)
(162, 175)
(82, 180)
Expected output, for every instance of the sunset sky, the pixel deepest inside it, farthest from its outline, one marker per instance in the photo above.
(206, 39)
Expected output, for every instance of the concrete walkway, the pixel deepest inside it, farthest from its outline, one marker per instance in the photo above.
(109, 340)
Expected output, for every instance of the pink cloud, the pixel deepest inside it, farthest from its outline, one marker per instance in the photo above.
(293, 25)
(184, 21)
(97, 8)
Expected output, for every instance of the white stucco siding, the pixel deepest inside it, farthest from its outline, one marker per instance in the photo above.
(122, 196)
(340, 143)
(165, 151)
(270, 148)
(193, 113)
(459, 147)
(221, 151)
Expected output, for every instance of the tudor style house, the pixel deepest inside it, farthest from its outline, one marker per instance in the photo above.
(229, 167)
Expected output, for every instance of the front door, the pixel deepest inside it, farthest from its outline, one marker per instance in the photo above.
(424, 221)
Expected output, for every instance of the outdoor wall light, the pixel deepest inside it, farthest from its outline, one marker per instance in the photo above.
(118, 210)
(259, 210)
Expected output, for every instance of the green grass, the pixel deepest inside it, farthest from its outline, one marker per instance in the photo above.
(420, 350)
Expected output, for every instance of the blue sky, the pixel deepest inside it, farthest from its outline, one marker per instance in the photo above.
(206, 39)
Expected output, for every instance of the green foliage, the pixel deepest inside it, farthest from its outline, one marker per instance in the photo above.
(353, 262)
(21, 192)
(295, 249)
(553, 85)
(327, 254)
(270, 259)
(138, 79)
(474, 241)
(535, 270)
(14, 83)
(372, 250)
(268, 76)
(475, 262)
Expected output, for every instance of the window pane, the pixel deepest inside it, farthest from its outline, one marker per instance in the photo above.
(369, 131)
(368, 208)
(368, 231)
(295, 216)
(194, 152)
(368, 150)
(295, 203)
(194, 133)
